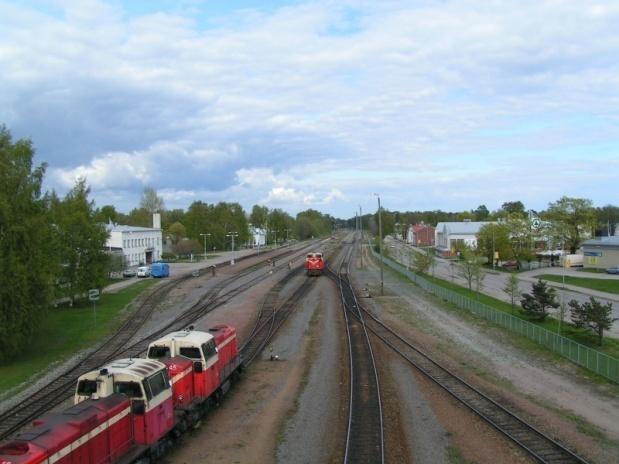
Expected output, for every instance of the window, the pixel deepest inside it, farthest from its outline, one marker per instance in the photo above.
(86, 387)
(191, 352)
(209, 349)
(129, 389)
(156, 352)
(156, 384)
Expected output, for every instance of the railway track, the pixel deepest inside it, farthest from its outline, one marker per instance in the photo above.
(364, 437)
(62, 386)
(538, 445)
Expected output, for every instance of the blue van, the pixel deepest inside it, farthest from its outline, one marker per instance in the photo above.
(160, 270)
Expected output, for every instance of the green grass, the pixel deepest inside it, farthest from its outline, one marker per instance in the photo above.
(610, 345)
(603, 285)
(65, 331)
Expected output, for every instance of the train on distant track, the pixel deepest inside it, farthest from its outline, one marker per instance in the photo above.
(314, 264)
(132, 410)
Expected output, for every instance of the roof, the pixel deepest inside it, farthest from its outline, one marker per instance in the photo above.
(463, 228)
(137, 367)
(604, 242)
(122, 228)
(193, 337)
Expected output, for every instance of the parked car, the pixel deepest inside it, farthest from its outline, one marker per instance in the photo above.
(129, 273)
(613, 270)
(143, 271)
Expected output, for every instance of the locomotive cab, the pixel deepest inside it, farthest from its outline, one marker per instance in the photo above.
(145, 382)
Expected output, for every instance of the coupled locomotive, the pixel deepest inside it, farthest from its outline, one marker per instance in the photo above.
(314, 264)
(131, 410)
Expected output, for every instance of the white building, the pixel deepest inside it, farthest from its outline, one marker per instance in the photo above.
(258, 237)
(448, 235)
(138, 245)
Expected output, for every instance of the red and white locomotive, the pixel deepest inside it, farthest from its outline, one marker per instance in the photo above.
(314, 264)
(130, 410)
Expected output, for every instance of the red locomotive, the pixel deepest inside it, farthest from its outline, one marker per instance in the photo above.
(314, 264)
(132, 409)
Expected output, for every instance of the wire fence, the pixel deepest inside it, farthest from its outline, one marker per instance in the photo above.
(591, 359)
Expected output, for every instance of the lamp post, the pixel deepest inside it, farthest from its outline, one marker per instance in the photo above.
(205, 235)
(232, 235)
(380, 246)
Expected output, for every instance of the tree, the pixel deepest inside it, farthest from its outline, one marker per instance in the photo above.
(106, 214)
(481, 213)
(495, 238)
(592, 315)
(571, 217)
(151, 202)
(80, 243)
(26, 256)
(421, 262)
(470, 269)
(512, 288)
(514, 208)
(259, 215)
(538, 303)
(177, 231)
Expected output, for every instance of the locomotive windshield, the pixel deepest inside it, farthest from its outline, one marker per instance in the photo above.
(156, 352)
(129, 389)
(190, 352)
(209, 349)
(156, 383)
(86, 387)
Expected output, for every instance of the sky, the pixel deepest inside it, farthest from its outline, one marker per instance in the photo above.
(318, 104)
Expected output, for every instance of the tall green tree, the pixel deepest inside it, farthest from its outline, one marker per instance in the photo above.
(107, 214)
(481, 213)
(80, 242)
(514, 208)
(542, 298)
(470, 269)
(259, 216)
(592, 315)
(25, 237)
(495, 238)
(512, 288)
(571, 218)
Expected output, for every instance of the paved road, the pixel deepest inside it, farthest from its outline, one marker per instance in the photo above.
(182, 268)
(495, 281)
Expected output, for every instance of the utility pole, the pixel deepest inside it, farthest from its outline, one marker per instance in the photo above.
(361, 229)
(380, 246)
(232, 235)
(205, 235)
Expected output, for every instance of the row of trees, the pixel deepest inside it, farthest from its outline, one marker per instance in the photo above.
(50, 248)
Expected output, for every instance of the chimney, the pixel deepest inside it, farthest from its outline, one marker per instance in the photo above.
(156, 220)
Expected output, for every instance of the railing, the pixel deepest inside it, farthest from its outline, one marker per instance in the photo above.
(591, 359)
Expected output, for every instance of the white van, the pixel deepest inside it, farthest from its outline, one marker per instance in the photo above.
(143, 271)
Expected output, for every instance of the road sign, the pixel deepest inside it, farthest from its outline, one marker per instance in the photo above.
(536, 223)
(93, 294)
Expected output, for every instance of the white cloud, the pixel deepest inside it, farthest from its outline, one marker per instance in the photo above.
(318, 104)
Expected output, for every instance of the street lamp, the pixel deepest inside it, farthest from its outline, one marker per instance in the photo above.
(380, 245)
(205, 235)
(232, 235)
(361, 232)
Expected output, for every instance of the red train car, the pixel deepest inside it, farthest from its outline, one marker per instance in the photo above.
(215, 358)
(131, 410)
(122, 411)
(314, 264)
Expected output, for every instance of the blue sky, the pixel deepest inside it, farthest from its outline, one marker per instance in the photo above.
(295, 105)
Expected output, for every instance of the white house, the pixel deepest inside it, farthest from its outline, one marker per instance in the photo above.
(257, 237)
(448, 235)
(138, 245)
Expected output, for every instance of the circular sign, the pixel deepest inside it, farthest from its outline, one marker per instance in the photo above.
(536, 223)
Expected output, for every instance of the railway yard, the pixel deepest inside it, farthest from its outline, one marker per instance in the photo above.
(332, 374)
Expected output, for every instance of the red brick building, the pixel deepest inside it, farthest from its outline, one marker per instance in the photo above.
(420, 235)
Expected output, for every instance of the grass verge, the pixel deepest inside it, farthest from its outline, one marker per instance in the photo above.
(66, 331)
(603, 285)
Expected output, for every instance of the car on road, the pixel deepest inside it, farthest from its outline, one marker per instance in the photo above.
(129, 273)
(613, 270)
(143, 271)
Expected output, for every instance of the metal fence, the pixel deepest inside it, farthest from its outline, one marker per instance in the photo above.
(600, 363)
